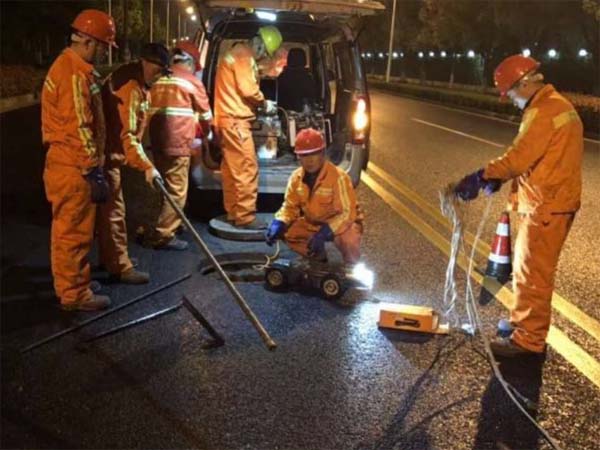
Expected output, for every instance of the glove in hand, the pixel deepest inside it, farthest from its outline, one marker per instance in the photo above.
(275, 231)
(98, 184)
(316, 245)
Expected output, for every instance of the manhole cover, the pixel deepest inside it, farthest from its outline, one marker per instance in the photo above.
(223, 229)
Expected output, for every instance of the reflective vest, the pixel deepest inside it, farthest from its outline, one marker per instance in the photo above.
(545, 157)
(237, 92)
(72, 118)
(178, 103)
(331, 201)
(125, 100)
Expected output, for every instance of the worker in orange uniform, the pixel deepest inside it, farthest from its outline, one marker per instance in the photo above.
(545, 161)
(73, 133)
(237, 95)
(179, 106)
(125, 99)
(319, 206)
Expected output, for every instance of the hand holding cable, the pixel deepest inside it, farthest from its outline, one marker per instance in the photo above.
(468, 188)
(275, 231)
(98, 184)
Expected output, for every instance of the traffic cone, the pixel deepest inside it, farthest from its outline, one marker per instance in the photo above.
(499, 262)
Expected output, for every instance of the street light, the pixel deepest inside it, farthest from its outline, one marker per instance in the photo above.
(388, 69)
(443, 54)
(471, 54)
(526, 52)
(395, 55)
(193, 18)
(583, 53)
(552, 53)
(420, 54)
(380, 55)
(189, 10)
(431, 54)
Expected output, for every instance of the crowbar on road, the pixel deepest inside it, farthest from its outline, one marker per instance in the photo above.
(269, 342)
(104, 314)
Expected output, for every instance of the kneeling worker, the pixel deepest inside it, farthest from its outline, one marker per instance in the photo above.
(125, 99)
(319, 206)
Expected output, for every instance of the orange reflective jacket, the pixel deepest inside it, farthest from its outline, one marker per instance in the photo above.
(72, 118)
(178, 102)
(332, 200)
(125, 99)
(237, 92)
(545, 157)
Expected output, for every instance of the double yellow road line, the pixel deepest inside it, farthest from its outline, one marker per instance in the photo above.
(568, 349)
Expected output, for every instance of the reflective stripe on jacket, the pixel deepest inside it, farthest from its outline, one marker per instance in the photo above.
(237, 92)
(178, 103)
(125, 99)
(545, 157)
(332, 200)
(72, 118)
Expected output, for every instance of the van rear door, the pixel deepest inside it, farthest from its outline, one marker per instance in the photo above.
(341, 8)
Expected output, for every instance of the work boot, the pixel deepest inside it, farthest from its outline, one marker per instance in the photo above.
(95, 286)
(96, 303)
(256, 224)
(133, 276)
(507, 348)
(174, 244)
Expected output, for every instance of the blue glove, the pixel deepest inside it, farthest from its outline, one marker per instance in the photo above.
(274, 232)
(98, 184)
(468, 188)
(491, 186)
(316, 245)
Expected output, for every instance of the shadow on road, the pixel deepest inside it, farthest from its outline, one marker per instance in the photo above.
(398, 435)
(501, 425)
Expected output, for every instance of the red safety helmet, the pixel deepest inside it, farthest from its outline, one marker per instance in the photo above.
(96, 24)
(190, 49)
(309, 141)
(511, 70)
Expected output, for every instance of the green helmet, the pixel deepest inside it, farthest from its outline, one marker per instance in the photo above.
(271, 37)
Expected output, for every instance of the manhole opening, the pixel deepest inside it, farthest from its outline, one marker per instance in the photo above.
(239, 271)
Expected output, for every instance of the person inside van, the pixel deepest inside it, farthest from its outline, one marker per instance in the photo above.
(296, 84)
(319, 205)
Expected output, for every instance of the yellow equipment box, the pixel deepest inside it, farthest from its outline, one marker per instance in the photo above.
(411, 318)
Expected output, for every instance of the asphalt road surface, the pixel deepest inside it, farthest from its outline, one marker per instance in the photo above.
(336, 381)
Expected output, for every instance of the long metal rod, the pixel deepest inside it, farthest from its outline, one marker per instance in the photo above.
(202, 320)
(269, 342)
(107, 313)
(133, 323)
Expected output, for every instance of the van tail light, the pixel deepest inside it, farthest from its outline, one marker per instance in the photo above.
(360, 121)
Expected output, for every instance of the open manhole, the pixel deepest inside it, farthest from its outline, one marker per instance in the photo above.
(240, 267)
(223, 229)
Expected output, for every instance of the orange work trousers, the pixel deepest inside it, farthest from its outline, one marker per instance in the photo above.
(112, 229)
(537, 249)
(73, 219)
(175, 173)
(239, 169)
(348, 243)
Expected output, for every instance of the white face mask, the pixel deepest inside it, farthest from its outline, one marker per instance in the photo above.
(520, 102)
